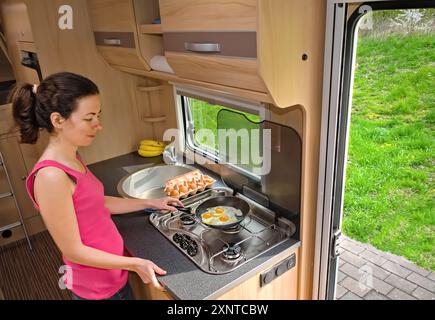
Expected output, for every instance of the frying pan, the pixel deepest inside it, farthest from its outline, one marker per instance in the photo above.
(224, 201)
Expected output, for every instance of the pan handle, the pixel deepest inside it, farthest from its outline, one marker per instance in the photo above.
(183, 209)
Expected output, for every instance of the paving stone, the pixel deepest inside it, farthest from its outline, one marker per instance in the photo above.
(400, 283)
(396, 294)
(355, 287)
(352, 271)
(407, 264)
(379, 285)
(424, 282)
(341, 262)
(352, 246)
(423, 294)
(340, 275)
(432, 276)
(373, 295)
(366, 278)
(340, 292)
(352, 259)
(396, 269)
(394, 258)
(350, 296)
(377, 271)
(373, 257)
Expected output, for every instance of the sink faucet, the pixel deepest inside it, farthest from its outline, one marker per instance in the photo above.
(170, 155)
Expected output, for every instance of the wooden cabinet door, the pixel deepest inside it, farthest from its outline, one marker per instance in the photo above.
(8, 212)
(114, 26)
(16, 168)
(206, 15)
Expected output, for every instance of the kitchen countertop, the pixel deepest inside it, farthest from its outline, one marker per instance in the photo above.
(184, 280)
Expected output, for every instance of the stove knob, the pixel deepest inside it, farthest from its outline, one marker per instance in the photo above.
(192, 251)
(177, 238)
(184, 245)
(267, 277)
(281, 269)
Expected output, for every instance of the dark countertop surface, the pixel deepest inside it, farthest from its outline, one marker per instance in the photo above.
(184, 280)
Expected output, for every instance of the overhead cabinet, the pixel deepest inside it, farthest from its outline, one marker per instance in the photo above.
(120, 32)
(268, 48)
(213, 41)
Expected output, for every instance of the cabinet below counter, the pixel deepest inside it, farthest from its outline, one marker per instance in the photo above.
(184, 280)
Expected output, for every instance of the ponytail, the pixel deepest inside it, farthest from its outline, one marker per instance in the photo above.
(32, 106)
(23, 110)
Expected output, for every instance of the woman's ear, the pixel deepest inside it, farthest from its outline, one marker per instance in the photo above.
(56, 120)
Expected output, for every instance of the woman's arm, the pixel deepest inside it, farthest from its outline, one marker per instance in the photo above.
(53, 193)
(121, 206)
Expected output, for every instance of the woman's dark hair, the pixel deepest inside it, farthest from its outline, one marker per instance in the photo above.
(59, 92)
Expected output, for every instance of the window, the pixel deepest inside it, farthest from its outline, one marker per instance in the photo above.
(207, 117)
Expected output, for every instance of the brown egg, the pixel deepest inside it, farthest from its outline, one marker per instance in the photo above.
(174, 194)
(168, 191)
(183, 188)
(192, 185)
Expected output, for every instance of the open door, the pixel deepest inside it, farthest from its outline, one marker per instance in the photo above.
(343, 19)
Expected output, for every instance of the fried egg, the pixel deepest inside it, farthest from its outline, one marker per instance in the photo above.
(220, 216)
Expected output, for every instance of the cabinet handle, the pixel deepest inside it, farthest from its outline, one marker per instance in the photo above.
(112, 41)
(202, 47)
(23, 178)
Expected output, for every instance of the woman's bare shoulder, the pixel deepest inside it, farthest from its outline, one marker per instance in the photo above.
(52, 178)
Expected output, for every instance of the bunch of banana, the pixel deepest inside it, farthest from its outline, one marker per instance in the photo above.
(151, 148)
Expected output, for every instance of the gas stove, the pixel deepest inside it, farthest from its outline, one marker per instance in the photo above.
(216, 251)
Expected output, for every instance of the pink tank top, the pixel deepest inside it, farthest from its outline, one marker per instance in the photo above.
(97, 230)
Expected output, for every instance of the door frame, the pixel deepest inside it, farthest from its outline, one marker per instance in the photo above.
(336, 106)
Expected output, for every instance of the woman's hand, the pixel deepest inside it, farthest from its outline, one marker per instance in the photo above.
(164, 204)
(147, 270)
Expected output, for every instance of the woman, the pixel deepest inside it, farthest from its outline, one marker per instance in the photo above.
(69, 197)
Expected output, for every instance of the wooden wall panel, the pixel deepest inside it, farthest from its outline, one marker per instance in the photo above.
(103, 13)
(300, 83)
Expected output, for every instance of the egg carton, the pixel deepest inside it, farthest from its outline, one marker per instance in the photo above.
(188, 184)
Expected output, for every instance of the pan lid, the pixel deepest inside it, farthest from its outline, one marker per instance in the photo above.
(261, 160)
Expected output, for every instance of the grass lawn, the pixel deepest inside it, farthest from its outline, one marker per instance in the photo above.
(389, 198)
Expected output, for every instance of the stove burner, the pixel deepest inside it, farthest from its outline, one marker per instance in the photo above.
(187, 219)
(232, 251)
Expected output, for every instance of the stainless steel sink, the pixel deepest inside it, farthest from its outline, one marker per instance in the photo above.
(149, 183)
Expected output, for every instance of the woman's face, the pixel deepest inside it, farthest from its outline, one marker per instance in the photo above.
(81, 127)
